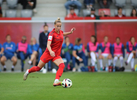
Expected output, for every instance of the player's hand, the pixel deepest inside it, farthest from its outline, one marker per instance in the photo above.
(133, 51)
(52, 54)
(80, 59)
(72, 30)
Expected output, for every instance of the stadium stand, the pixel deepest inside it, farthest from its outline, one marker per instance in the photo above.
(12, 3)
(11, 13)
(26, 13)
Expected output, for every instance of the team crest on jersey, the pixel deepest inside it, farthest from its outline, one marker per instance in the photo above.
(50, 38)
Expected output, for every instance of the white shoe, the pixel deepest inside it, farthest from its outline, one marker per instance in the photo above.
(26, 75)
(34, 10)
(79, 70)
(54, 70)
(74, 70)
(44, 71)
(29, 62)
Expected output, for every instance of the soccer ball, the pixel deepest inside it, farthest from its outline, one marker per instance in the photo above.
(66, 83)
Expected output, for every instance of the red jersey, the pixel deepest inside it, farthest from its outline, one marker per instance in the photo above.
(56, 41)
(72, 16)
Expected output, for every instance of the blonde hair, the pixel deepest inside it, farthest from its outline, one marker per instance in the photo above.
(57, 20)
(31, 41)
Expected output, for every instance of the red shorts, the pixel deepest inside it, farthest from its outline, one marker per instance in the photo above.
(46, 57)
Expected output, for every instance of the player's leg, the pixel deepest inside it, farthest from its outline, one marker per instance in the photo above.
(14, 60)
(115, 60)
(73, 61)
(101, 62)
(67, 56)
(34, 69)
(67, 4)
(43, 59)
(59, 62)
(129, 58)
(132, 64)
(121, 60)
(3, 59)
(109, 57)
(93, 56)
(33, 58)
(21, 55)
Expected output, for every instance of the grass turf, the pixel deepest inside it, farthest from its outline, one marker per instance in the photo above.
(86, 86)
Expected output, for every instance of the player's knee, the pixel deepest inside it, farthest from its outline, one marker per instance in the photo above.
(2, 59)
(62, 65)
(121, 58)
(115, 58)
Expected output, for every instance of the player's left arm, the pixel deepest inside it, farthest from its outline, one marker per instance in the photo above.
(70, 32)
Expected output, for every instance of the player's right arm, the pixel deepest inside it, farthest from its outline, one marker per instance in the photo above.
(52, 53)
(75, 54)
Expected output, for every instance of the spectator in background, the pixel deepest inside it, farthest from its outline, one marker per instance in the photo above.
(120, 13)
(28, 4)
(134, 13)
(67, 48)
(102, 14)
(89, 3)
(33, 49)
(78, 54)
(131, 52)
(106, 52)
(104, 3)
(72, 13)
(92, 14)
(22, 51)
(43, 38)
(9, 50)
(73, 2)
(32, 4)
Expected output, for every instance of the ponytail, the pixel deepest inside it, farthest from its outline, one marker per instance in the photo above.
(57, 21)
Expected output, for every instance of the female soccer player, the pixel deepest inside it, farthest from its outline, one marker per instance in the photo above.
(22, 51)
(118, 52)
(67, 48)
(9, 50)
(52, 52)
(92, 48)
(78, 54)
(106, 52)
(131, 52)
(34, 47)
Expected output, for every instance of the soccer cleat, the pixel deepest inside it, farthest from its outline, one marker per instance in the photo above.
(133, 69)
(74, 70)
(12, 69)
(29, 62)
(101, 69)
(57, 83)
(126, 63)
(26, 75)
(4, 69)
(113, 69)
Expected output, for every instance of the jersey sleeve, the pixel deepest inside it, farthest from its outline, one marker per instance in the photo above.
(50, 37)
(75, 48)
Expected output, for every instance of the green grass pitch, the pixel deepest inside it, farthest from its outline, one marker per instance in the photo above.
(86, 86)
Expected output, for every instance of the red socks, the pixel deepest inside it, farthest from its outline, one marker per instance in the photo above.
(34, 69)
(60, 71)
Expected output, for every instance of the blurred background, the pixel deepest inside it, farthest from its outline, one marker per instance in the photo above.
(112, 18)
